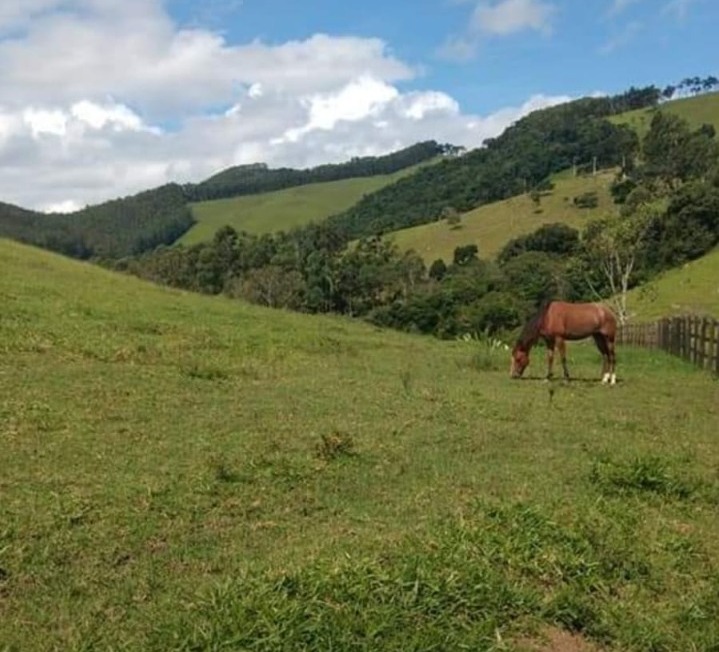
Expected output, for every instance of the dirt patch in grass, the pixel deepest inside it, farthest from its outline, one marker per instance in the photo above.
(553, 639)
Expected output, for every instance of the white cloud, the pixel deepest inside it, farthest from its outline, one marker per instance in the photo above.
(109, 97)
(42, 121)
(117, 116)
(67, 206)
(511, 16)
(497, 18)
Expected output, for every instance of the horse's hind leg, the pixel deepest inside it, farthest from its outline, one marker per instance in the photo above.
(603, 347)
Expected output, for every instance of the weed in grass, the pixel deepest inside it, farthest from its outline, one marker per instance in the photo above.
(222, 471)
(649, 474)
(205, 372)
(335, 446)
(491, 353)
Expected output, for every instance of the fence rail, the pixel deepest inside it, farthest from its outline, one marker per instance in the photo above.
(693, 338)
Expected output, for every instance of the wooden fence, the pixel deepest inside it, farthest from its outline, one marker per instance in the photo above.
(695, 339)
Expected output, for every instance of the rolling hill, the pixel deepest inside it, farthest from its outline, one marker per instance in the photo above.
(283, 209)
(692, 288)
(491, 226)
(182, 472)
(545, 142)
(699, 110)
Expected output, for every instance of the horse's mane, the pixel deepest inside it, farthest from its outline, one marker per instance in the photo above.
(530, 332)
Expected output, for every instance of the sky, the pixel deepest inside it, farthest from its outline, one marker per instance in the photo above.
(104, 98)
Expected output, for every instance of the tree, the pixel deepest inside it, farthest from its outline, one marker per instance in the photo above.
(535, 276)
(451, 216)
(555, 238)
(673, 154)
(437, 269)
(613, 247)
(271, 286)
(465, 254)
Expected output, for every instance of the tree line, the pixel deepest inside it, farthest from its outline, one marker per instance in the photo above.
(258, 177)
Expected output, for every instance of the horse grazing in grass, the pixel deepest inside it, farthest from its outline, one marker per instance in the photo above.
(558, 321)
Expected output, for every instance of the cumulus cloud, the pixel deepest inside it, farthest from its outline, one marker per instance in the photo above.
(110, 97)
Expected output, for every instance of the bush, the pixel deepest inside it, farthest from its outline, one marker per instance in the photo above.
(586, 200)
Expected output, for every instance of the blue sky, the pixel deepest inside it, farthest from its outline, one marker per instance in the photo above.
(103, 98)
(588, 45)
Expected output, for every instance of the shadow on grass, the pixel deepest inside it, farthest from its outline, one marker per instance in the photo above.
(543, 379)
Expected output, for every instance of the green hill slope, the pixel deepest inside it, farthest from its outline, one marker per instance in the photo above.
(491, 226)
(283, 209)
(692, 288)
(190, 473)
(699, 110)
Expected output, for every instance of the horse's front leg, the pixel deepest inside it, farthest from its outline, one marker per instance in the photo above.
(562, 346)
(550, 357)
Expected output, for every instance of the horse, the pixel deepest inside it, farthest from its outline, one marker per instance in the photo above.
(559, 321)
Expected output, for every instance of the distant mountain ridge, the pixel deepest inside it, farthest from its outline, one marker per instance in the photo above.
(131, 225)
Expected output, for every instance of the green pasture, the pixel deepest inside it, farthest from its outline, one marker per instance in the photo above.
(282, 210)
(699, 110)
(491, 226)
(182, 472)
(692, 288)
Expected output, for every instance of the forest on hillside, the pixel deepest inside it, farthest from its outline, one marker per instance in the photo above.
(667, 197)
(519, 160)
(110, 230)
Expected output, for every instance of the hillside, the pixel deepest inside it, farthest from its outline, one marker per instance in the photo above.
(191, 473)
(491, 226)
(113, 229)
(699, 110)
(692, 288)
(283, 209)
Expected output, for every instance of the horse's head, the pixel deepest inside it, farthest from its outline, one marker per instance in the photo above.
(520, 361)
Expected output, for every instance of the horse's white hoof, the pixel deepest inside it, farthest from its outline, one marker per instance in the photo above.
(605, 379)
(613, 381)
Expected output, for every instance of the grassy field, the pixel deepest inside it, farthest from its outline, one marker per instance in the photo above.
(190, 473)
(699, 110)
(692, 288)
(283, 209)
(491, 226)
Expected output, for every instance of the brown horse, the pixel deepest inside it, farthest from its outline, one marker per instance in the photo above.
(555, 323)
